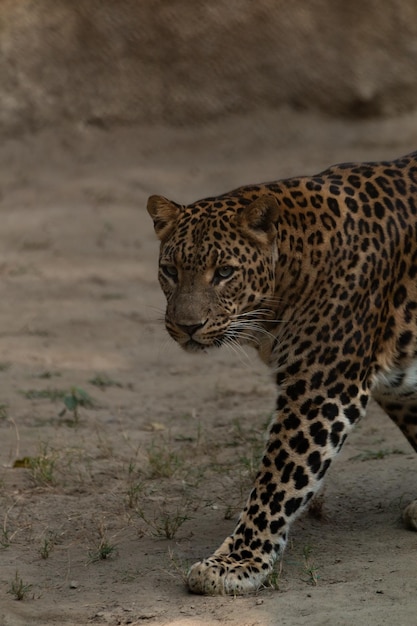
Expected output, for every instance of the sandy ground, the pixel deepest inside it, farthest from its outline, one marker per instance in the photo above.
(124, 460)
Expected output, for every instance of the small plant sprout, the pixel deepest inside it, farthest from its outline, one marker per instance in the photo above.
(135, 487)
(4, 414)
(167, 523)
(104, 548)
(4, 538)
(274, 577)
(163, 461)
(133, 493)
(47, 545)
(41, 467)
(309, 566)
(375, 455)
(103, 551)
(102, 381)
(75, 399)
(48, 374)
(43, 394)
(18, 589)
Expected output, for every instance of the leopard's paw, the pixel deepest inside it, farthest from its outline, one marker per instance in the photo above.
(410, 515)
(221, 575)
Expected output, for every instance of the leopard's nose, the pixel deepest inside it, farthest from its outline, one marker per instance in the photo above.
(191, 329)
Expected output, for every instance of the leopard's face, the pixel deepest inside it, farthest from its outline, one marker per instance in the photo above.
(217, 270)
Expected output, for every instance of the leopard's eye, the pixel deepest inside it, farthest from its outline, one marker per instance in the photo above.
(224, 272)
(170, 271)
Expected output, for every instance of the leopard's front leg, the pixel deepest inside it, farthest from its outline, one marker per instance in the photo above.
(308, 432)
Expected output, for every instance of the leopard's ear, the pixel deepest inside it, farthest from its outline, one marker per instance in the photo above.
(259, 219)
(164, 214)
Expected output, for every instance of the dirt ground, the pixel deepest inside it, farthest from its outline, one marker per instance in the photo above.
(123, 459)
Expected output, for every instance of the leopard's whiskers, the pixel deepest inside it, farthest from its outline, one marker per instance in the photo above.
(237, 348)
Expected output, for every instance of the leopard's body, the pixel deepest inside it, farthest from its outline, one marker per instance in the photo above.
(319, 274)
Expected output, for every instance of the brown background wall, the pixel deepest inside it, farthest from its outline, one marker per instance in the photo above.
(185, 61)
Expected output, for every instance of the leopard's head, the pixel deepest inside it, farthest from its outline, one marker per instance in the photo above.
(216, 268)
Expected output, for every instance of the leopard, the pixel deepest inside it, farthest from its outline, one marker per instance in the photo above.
(318, 274)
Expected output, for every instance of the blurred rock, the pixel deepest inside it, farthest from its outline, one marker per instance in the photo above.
(185, 61)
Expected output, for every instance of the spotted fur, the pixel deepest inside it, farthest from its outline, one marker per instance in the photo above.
(319, 275)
